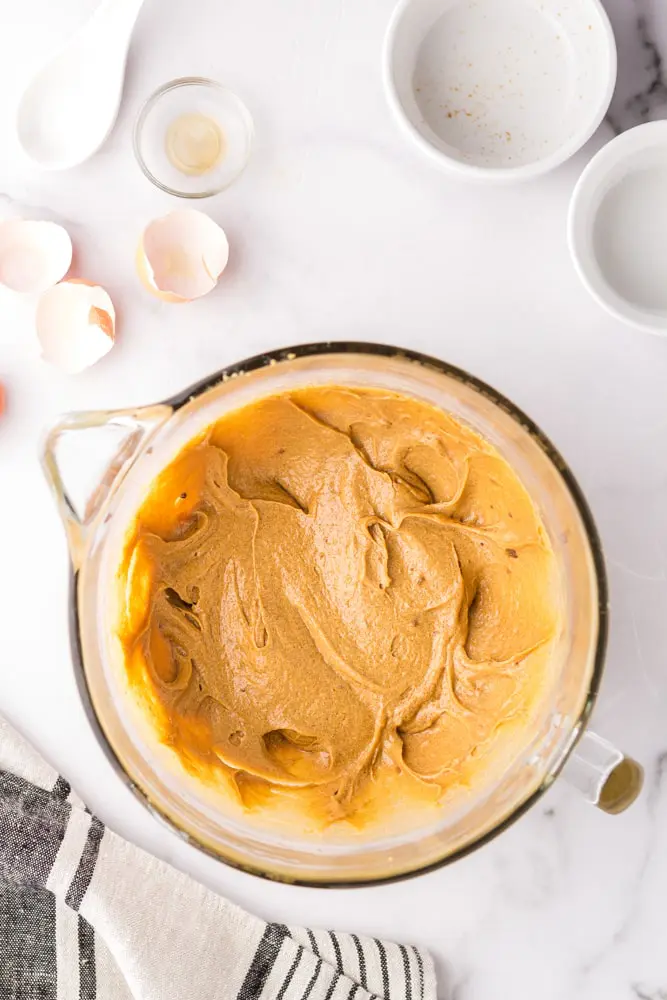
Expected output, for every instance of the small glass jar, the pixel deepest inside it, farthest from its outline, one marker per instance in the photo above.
(193, 137)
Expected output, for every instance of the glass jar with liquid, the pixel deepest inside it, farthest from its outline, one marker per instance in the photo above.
(193, 137)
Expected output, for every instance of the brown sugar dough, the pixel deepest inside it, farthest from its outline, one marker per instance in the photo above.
(332, 583)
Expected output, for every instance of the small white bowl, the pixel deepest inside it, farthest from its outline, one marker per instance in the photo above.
(617, 227)
(500, 89)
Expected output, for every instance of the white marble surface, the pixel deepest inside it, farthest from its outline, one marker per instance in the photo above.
(339, 229)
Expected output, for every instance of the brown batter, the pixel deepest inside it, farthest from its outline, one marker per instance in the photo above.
(334, 586)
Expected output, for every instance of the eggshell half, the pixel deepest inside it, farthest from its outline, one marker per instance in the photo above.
(75, 323)
(182, 255)
(33, 255)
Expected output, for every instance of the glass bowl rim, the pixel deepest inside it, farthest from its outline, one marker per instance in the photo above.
(325, 348)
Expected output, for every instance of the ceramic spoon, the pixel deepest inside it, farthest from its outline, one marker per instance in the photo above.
(70, 107)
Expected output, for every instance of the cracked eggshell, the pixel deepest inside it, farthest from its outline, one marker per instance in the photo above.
(182, 255)
(33, 255)
(75, 325)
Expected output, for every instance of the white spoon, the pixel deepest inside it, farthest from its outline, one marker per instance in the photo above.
(71, 105)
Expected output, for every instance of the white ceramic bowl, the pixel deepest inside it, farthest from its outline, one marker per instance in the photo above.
(500, 89)
(617, 227)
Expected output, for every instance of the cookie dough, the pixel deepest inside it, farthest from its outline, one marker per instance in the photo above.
(336, 584)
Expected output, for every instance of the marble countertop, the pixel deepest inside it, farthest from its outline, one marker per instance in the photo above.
(339, 229)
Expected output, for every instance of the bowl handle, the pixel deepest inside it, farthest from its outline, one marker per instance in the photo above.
(605, 776)
(85, 456)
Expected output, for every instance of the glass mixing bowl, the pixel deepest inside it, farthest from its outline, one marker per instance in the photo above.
(100, 465)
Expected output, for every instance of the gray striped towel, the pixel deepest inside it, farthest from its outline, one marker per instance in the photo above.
(84, 915)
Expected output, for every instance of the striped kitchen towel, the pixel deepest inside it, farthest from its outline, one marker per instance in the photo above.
(84, 915)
